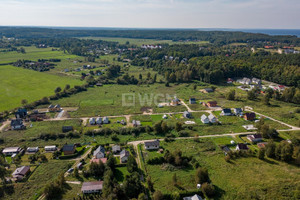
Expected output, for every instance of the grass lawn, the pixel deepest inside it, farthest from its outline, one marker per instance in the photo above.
(121, 173)
(18, 83)
(241, 179)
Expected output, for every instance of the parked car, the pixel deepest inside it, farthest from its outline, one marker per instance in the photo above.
(70, 170)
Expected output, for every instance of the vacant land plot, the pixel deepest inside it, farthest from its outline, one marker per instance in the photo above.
(240, 179)
(17, 84)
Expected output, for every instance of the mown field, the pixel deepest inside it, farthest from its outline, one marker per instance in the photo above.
(17, 84)
(33, 53)
(243, 178)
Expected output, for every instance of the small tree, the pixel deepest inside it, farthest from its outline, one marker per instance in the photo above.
(150, 184)
(201, 175)
(24, 102)
(174, 179)
(208, 189)
(261, 153)
(230, 95)
(157, 195)
(57, 90)
(76, 173)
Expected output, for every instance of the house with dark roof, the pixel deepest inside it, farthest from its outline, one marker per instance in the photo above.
(17, 124)
(99, 152)
(151, 145)
(238, 111)
(207, 90)
(241, 146)
(92, 187)
(187, 114)
(175, 102)
(20, 173)
(67, 129)
(226, 112)
(21, 113)
(54, 108)
(192, 101)
(69, 149)
(249, 116)
(124, 155)
(255, 138)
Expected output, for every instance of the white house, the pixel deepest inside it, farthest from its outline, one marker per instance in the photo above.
(195, 197)
(50, 148)
(98, 120)
(204, 119)
(212, 118)
(11, 150)
(32, 149)
(105, 120)
(92, 121)
(124, 155)
(92, 187)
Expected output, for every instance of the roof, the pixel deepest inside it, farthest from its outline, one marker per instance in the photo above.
(16, 122)
(21, 171)
(192, 99)
(242, 146)
(186, 113)
(256, 136)
(152, 143)
(68, 147)
(11, 149)
(225, 148)
(50, 147)
(208, 89)
(98, 150)
(116, 148)
(32, 148)
(95, 185)
(97, 160)
(124, 153)
(67, 128)
(226, 110)
(211, 116)
(203, 117)
(250, 115)
(238, 110)
(196, 197)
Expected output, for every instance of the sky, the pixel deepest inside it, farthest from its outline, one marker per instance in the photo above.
(275, 14)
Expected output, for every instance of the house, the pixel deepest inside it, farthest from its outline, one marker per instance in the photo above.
(195, 197)
(256, 81)
(245, 81)
(92, 187)
(92, 121)
(241, 146)
(249, 127)
(69, 149)
(212, 118)
(225, 149)
(97, 160)
(11, 150)
(207, 90)
(165, 116)
(50, 148)
(123, 122)
(32, 150)
(136, 123)
(226, 112)
(255, 138)
(152, 145)
(238, 111)
(192, 100)
(67, 129)
(21, 173)
(105, 120)
(262, 144)
(175, 102)
(249, 116)
(21, 113)
(204, 119)
(116, 149)
(17, 124)
(98, 120)
(54, 108)
(212, 104)
(124, 155)
(229, 80)
(99, 152)
(187, 114)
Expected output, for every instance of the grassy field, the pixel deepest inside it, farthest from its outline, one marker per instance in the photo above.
(17, 84)
(33, 53)
(244, 178)
(139, 42)
(44, 174)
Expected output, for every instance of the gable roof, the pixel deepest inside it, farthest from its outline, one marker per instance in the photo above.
(100, 149)
(21, 171)
(16, 122)
(116, 148)
(68, 147)
(89, 186)
(242, 146)
(226, 110)
(211, 116)
(11, 149)
(204, 117)
(124, 153)
(152, 143)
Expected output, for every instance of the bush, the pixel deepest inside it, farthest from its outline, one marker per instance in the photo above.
(208, 189)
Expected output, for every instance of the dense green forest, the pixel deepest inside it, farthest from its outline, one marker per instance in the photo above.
(216, 37)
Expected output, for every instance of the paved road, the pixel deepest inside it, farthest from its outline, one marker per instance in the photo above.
(4, 124)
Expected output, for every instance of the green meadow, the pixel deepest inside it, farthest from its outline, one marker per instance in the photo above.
(18, 83)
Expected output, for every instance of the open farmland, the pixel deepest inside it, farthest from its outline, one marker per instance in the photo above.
(17, 84)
